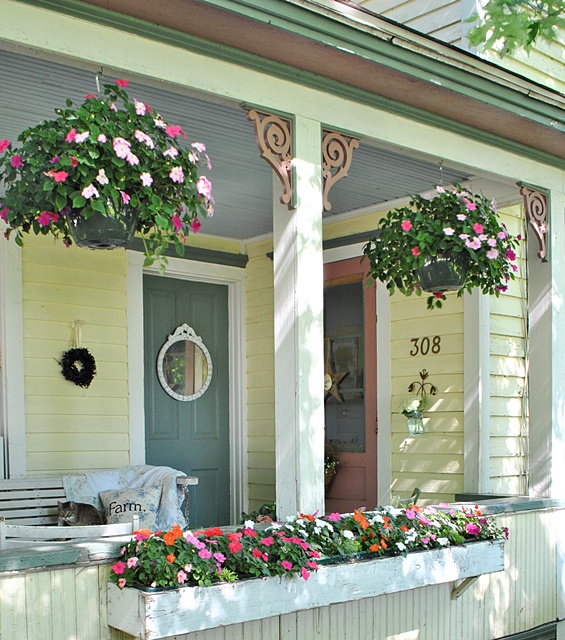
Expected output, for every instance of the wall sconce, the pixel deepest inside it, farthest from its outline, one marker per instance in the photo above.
(413, 406)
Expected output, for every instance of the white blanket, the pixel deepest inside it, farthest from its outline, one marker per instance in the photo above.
(85, 487)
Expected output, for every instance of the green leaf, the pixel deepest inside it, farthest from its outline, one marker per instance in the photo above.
(79, 202)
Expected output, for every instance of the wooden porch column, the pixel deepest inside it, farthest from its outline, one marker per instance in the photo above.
(298, 294)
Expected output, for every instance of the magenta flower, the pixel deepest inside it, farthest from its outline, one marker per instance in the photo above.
(175, 130)
(122, 83)
(406, 225)
(4, 144)
(470, 206)
(71, 135)
(59, 176)
(304, 573)
(16, 161)
(286, 565)
(478, 228)
(334, 517)
(205, 554)
(195, 224)
(510, 254)
(177, 223)
(410, 514)
(3, 214)
(415, 251)
(125, 197)
(118, 568)
(44, 219)
(268, 541)
(472, 528)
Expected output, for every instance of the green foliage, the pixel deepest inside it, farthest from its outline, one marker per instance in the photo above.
(110, 149)
(454, 220)
(517, 24)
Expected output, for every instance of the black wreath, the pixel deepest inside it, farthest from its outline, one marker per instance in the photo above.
(78, 366)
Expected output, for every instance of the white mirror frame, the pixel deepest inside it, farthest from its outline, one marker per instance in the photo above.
(183, 333)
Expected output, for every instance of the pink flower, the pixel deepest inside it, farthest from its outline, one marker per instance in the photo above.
(122, 148)
(89, 95)
(177, 175)
(3, 214)
(305, 573)
(74, 161)
(16, 161)
(415, 251)
(220, 557)
(470, 206)
(461, 216)
(122, 83)
(4, 144)
(118, 568)
(90, 192)
(132, 159)
(268, 541)
(472, 528)
(122, 583)
(59, 176)
(195, 224)
(140, 108)
(132, 562)
(171, 152)
(81, 137)
(473, 244)
(478, 228)
(177, 223)
(125, 197)
(205, 554)
(44, 219)
(102, 138)
(406, 225)
(175, 130)
(181, 577)
(312, 564)
(146, 179)
(491, 242)
(286, 565)
(449, 231)
(199, 146)
(440, 189)
(54, 160)
(102, 178)
(204, 187)
(143, 137)
(510, 254)
(71, 135)
(492, 254)
(410, 514)
(334, 517)
(257, 553)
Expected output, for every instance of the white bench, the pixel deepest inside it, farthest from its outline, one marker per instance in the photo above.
(29, 510)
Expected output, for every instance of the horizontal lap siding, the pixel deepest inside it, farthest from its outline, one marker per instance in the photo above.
(432, 462)
(509, 421)
(70, 428)
(260, 375)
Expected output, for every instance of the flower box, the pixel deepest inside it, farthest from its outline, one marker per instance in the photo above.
(150, 616)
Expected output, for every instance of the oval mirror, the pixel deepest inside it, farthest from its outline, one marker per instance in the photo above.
(184, 365)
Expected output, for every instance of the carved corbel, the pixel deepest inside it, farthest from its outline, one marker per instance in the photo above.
(535, 205)
(337, 153)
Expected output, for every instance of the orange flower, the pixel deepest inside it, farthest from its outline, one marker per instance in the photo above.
(176, 531)
(169, 538)
(360, 518)
(306, 516)
(383, 544)
(404, 528)
(374, 547)
(171, 558)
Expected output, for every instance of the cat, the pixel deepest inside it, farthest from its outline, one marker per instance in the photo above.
(78, 514)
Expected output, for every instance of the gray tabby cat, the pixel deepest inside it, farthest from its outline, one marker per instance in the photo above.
(78, 514)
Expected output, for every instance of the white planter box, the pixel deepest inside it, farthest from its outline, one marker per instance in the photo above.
(154, 615)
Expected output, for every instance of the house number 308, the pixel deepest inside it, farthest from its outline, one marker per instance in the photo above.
(423, 346)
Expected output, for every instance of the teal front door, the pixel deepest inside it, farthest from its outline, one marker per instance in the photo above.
(192, 436)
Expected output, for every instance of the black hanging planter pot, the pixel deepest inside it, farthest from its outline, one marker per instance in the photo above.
(111, 231)
(446, 271)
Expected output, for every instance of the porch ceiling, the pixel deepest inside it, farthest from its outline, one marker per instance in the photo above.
(32, 88)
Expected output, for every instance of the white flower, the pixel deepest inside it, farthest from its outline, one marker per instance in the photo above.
(348, 534)
(102, 178)
(412, 403)
(401, 546)
(249, 524)
(443, 542)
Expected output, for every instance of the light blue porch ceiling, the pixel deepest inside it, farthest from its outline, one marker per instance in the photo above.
(31, 88)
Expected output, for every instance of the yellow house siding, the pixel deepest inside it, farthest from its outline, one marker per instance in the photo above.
(69, 428)
(509, 420)
(433, 461)
(260, 375)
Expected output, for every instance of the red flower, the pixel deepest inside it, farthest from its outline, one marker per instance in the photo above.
(122, 83)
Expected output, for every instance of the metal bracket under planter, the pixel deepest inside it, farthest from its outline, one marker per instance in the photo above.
(155, 615)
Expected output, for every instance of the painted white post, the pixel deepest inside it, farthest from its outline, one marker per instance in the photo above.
(299, 347)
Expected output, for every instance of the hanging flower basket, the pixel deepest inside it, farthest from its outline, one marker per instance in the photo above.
(414, 241)
(446, 271)
(111, 230)
(102, 171)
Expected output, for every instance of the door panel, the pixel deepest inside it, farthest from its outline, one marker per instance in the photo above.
(351, 415)
(190, 436)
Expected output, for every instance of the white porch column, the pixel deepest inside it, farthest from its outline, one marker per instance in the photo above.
(299, 369)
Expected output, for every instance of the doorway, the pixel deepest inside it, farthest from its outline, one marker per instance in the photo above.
(351, 402)
(191, 436)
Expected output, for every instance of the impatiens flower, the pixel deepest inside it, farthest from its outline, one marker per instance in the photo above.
(461, 216)
(181, 577)
(234, 546)
(146, 179)
(478, 228)
(132, 562)
(334, 517)
(199, 146)
(449, 231)
(4, 144)
(410, 514)
(132, 159)
(204, 187)
(122, 148)
(71, 135)
(510, 254)
(171, 152)
(102, 178)
(492, 254)
(440, 189)
(160, 123)
(472, 528)
(176, 174)
(102, 138)
(473, 244)
(286, 565)
(125, 197)
(175, 130)
(140, 108)
(415, 251)
(119, 567)
(268, 541)
(54, 160)
(143, 137)
(122, 583)
(195, 225)
(177, 223)
(122, 83)
(16, 161)
(81, 137)
(304, 573)
(74, 161)
(89, 95)
(3, 214)
(470, 206)
(492, 242)
(205, 553)
(60, 176)
(90, 192)
(171, 558)
(44, 219)
(406, 225)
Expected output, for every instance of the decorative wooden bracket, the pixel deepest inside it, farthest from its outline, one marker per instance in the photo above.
(535, 205)
(274, 139)
(337, 152)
